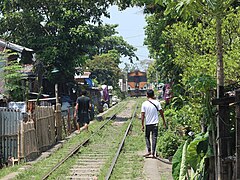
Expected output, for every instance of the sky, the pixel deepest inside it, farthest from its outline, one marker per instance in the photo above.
(131, 27)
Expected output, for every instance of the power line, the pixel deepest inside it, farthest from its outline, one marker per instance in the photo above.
(142, 55)
(140, 46)
(133, 36)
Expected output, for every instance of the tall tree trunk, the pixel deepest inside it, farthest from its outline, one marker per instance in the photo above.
(223, 111)
(220, 69)
(220, 92)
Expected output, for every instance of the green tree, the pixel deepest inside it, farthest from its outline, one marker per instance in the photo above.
(63, 33)
(152, 71)
(112, 41)
(104, 68)
(128, 67)
(216, 9)
(204, 11)
(12, 76)
(160, 48)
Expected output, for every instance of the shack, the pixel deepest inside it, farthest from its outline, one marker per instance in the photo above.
(25, 56)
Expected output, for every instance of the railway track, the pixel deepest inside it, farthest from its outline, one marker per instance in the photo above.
(96, 157)
(113, 150)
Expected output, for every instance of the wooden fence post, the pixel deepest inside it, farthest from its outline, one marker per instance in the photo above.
(222, 141)
(58, 122)
(69, 122)
(58, 115)
(20, 144)
(56, 93)
(238, 135)
(223, 136)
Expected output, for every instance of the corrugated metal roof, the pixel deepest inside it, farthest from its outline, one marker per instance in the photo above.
(82, 76)
(15, 47)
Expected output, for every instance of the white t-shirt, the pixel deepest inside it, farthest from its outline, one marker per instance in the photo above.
(151, 113)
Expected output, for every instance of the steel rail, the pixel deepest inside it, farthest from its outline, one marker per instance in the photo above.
(80, 145)
(120, 146)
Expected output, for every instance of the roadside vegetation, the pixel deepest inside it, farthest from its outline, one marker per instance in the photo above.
(195, 46)
(193, 49)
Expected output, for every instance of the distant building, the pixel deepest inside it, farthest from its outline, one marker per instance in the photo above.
(122, 84)
(84, 79)
(24, 55)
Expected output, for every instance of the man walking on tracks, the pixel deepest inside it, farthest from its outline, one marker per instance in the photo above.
(82, 108)
(149, 112)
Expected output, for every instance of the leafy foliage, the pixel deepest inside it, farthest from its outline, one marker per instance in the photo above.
(119, 44)
(189, 41)
(12, 76)
(197, 149)
(105, 68)
(183, 166)
(63, 33)
(161, 49)
(168, 143)
(191, 153)
(188, 116)
(176, 162)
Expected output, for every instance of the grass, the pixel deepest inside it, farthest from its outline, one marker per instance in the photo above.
(115, 109)
(7, 170)
(106, 166)
(99, 139)
(39, 169)
(130, 163)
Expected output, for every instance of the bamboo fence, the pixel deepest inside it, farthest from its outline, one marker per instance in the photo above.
(25, 139)
(45, 127)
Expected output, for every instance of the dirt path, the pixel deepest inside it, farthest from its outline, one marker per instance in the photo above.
(155, 169)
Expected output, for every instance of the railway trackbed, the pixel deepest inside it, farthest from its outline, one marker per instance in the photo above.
(101, 146)
(93, 157)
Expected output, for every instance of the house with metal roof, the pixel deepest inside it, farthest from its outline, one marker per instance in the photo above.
(22, 54)
(84, 79)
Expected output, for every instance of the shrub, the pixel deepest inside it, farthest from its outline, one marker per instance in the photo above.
(168, 143)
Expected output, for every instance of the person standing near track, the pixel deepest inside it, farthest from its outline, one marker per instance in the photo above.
(149, 113)
(82, 108)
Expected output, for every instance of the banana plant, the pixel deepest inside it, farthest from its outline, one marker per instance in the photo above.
(191, 155)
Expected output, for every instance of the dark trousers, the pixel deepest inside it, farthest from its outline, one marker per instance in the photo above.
(151, 129)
